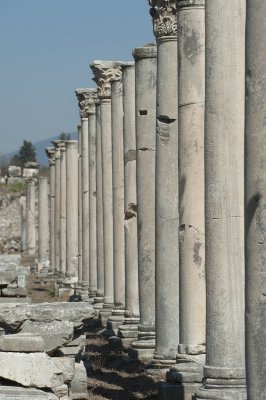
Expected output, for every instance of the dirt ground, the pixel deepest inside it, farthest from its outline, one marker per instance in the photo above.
(112, 375)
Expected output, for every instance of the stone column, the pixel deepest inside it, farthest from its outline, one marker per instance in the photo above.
(146, 79)
(23, 234)
(30, 217)
(63, 208)
(98, 300)
(188, 372)
(80, 208)
(105, 72)
(129, 329)
(92, 195)
(255, 199)
(72, 210)
(224, 372)
(118, 206)
(43, 234)
(57, 207)
(167, 209)
(50, 151)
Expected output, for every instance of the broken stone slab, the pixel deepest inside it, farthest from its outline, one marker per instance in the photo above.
(78, 386)
(73, 348)
(13, 316)
(30, 343)
(64, 329)
(7, 277)
(15, 300)
(14, 292)
(36, 369)
(20, 393)
(10, 258)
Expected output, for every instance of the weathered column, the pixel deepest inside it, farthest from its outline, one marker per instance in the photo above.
(82, 95)
(146, 79)
(255, 199)
(72, 210)
(129, 330)
(98, 300)
(23, 234)
(57, 207)
(118, 206)
(43, 232)
(188, 372)
(105, 72)
(50, 151)
(224, 372)
(30, 217)
(92, 193)
(63, 208)
(80, 208)
(167, 210)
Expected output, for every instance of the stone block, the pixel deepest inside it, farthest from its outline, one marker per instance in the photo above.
(64, 329)
(21, 281)
(30, 343)
(14, 292)
(10, 258)
(15, 300)
(30, 172)
(7, 277)
(35, 369)
(13, 316)
(31, 164)
(78, 386)
(20, 393)
(14, 180)
(73, 348)
(13, 171)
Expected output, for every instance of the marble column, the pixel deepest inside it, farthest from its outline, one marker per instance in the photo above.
(72, 210)
(50, 151)
(129, 330)
(105, 72)
(166, 182)
(146, 79)
(186, 376)
(117, 316)
(92, 194)
(43, 232)
(30, 217)
(98, 300)
(63, 209)
(80, 208)
(255, 199)
(224, 372)
(57, 207)
(23, 234)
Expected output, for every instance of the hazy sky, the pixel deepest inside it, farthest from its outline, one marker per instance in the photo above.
(46, 47)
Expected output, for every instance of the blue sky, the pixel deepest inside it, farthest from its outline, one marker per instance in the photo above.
(46, 47)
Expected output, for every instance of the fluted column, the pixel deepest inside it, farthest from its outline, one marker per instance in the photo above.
(72, 210)
(188, 372)
(118, 206)
(255, 199)
(50, 151)
(224, 372)
(23, 233)
(30, 217)
(146, 78)
(167, 208)
(98, 300)
(63, 209)
(43, 231)
(105, 72)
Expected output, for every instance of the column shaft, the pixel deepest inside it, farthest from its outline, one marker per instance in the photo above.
(255, 199)
(43, 234)
(80, 206)
(23, 213)
(63, 211)
(31, 225)
(57, 211)
(224, 372)
(52, 213)
(92, 205)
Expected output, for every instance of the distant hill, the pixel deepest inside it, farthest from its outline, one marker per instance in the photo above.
(40, 150)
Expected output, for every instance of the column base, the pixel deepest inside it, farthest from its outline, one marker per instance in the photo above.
(143, 348)
(129, 329)
(161, 362)
(105, 313)
(222, 393)
(180, 391)
(98, 305)
(115, 320)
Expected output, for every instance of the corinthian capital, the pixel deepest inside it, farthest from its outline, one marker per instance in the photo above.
(105, 72)
(86, 101)
(163, 13)
(50, 152)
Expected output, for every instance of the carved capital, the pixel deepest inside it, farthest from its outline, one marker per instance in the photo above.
(86, 101)
(105, 72)
(50, 152)
(164, 17)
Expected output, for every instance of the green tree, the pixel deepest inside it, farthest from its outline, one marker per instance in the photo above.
(64, 136)
(26, 153)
